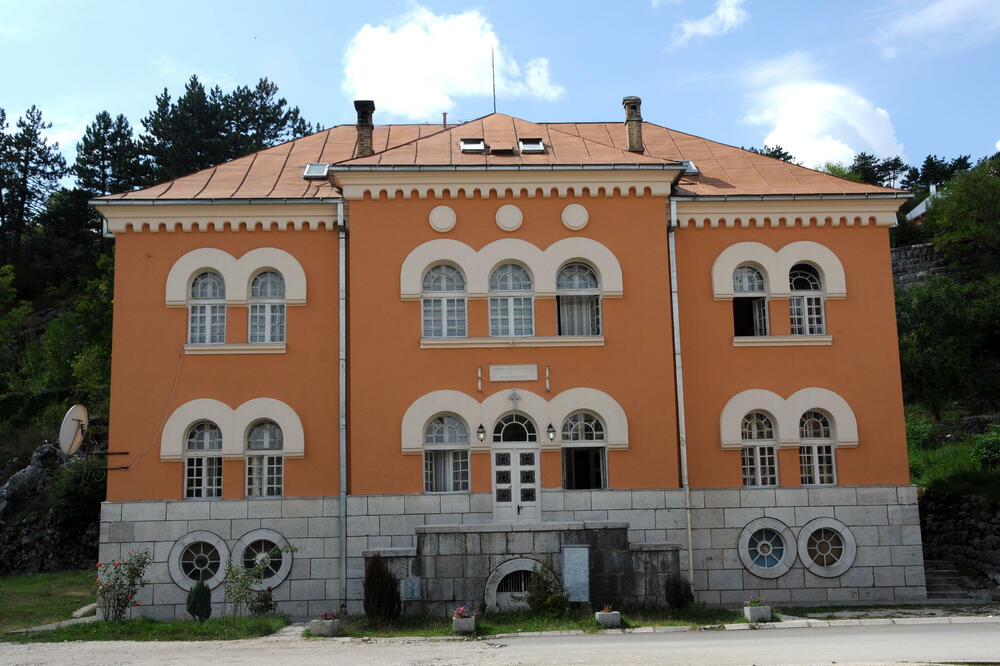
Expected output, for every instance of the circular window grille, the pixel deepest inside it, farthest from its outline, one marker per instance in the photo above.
(200, 561)
(767, 547)
(260, 551)
(265, 546)
(197, 555)
(827, 547)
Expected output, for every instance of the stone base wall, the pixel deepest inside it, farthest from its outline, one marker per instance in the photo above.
(883, 521)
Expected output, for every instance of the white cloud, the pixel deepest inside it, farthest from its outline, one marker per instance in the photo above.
(416, 65)
(941, 25)
(728, 16)
(656, 3)
(997, 146)
(817, 121)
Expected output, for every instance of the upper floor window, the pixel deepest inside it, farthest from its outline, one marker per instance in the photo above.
(203, 461)
(578, 300)
(446, 455)
(265, 464)
(805, 304)
(267, 308)
(584, 455)
(207, 310)
(816, 460)
(512, 308)
(759, 462)
(443, 303)
(749, 302)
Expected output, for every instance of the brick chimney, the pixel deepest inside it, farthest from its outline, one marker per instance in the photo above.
(633, 123)
(365, 109)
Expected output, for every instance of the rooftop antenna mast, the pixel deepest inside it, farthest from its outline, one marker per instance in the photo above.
(493, 69)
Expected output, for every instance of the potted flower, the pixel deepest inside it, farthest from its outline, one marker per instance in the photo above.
(463, 620)
(608, 618)
(754, 610)
(326, 624)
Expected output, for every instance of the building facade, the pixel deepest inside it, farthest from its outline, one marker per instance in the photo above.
(473, 348)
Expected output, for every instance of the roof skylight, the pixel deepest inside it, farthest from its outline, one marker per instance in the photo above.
(472, 145)
(531, 145)
(316, 171)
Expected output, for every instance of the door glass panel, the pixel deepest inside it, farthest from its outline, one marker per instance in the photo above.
(503, 494)
(528, 476)
(503, 477)
(527, 494)
(527, 458)
(503, 459)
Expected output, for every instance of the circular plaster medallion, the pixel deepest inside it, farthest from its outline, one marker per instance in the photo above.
(509, 217)
(442, 218)
(575, 217)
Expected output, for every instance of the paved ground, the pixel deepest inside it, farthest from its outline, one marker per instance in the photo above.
(928, 640)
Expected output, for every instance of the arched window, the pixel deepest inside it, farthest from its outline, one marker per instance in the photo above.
(816, 460)
(207, 310)
(514, 428)
(203, 461)
(584, 454)
(805, 304)
(267, 308)
(749, 302)
(578, 300)
(443, 303)
(760, 465)
(446, 455)
(512, 308)
(265, 468)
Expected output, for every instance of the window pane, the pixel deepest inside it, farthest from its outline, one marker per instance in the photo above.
(258, 323)
(522, 309)
(217, 334)
(268, 285)
(194, 476)
(265, 435)
(576, 276)
(806, 457)
(460, 470)
(455, 322)
(499, 317)
(277, 321)
(579, 315)
(197, 324)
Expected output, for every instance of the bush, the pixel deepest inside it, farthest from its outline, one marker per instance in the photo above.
(546, 594)
(262, 603)
(119, 582)
(76, 493)
(382, 601)
(678, 592)
(986, 449)
(199, 601)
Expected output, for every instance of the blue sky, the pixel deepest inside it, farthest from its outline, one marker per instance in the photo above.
(825, 79)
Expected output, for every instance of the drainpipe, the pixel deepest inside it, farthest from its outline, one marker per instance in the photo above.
(342, 319)
(679, 380)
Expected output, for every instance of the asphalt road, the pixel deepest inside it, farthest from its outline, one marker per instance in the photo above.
(965, 642)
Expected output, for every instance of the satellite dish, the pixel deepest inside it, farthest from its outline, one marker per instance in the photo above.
(74, 425)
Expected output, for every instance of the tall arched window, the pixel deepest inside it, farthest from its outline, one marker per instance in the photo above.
(446, 455)
(207, 310)
(816, 460)
(512, 308)
(759, 462)
(584, 454)
(267, 308)
(443, 303)
(265, 465)
(749, 302)
(578, 300)
(806, 302)
(203, 461)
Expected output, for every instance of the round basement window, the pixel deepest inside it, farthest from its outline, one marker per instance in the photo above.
(195, 555)
(827, 547)
(767, 547)
(200, 561)
(265, 546)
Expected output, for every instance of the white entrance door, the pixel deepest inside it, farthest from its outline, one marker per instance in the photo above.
(515, 485)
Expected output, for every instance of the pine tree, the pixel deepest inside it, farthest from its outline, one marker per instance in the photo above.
(199, 601)
(257, 120)
(107, 158)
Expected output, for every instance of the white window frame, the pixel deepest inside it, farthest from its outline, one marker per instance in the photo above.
(584, 430)
(265, 470)
(207, 308)
(759, 448)
(806, 307)
(505, 299)
(270, 307)
(446, 436)
(744, 287)
(813, 447)
(531, 145)
(472, 145)
(200, 461)
(588, 296)
(445, 305)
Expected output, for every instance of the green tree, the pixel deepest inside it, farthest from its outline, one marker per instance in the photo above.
(13, 313)
(256, 118)
(775, 151)
(868, 168)
(107, 158)
(893, 169)
(840, 171)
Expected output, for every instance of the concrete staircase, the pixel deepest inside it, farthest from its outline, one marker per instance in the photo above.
(944, 581)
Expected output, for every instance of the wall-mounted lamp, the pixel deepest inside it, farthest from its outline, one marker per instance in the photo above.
(481, 433)
(551, 432)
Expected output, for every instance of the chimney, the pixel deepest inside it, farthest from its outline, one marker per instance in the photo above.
(633, 123)
(365, 109)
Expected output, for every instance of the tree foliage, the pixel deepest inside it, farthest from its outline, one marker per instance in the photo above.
(775, 151)
(107, 158)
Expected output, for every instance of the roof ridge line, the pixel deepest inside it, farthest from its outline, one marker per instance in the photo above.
(411, 141)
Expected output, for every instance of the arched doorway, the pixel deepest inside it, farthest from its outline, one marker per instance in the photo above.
(515, 469)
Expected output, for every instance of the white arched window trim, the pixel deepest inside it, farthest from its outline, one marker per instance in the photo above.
(234, 424)
(786, 413)
(237, 274)
(775, 267)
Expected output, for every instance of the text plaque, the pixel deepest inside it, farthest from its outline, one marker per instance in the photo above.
(576, 572)
(514, 373)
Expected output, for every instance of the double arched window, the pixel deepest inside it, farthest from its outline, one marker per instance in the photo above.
(265, 463)
(759, 461)
(578, 300)
(584, 452)
(816, 459)
(203, 461)
(512, 307)
(805, 303)
(749, 302)
(267, 308)
(207, 310)
(446, 455)
(443, 303)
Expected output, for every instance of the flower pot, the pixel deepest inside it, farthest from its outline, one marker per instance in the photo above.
(757, 613)
(609, 618)
(463, 625)
(324, 627)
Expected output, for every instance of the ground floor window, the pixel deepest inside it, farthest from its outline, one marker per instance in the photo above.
(265, 476)
(760, 466)
(816, 464)
(446, 471)
(203, 477)
(584, 468)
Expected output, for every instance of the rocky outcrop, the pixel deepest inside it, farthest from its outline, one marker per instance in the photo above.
(965, 530)
(912, 264)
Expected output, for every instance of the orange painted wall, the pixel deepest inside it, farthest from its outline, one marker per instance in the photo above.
(388, 370)
(148, 353)
(862, 364)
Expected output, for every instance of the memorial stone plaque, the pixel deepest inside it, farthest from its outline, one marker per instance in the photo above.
(576, 572)
(514, 373)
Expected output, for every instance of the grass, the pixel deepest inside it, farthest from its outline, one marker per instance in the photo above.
(143, 629)
(30, 600)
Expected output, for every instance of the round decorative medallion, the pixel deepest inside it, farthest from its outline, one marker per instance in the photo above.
(509, 217)
(575, 217)
(442, 218)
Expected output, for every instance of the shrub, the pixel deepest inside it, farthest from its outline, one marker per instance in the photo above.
(986, 448)
(119, 582)
(262, 603)
(76, 493)
(238, 582)
(382, 601)
(199, 601)
(678, 591)
(546, 594)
